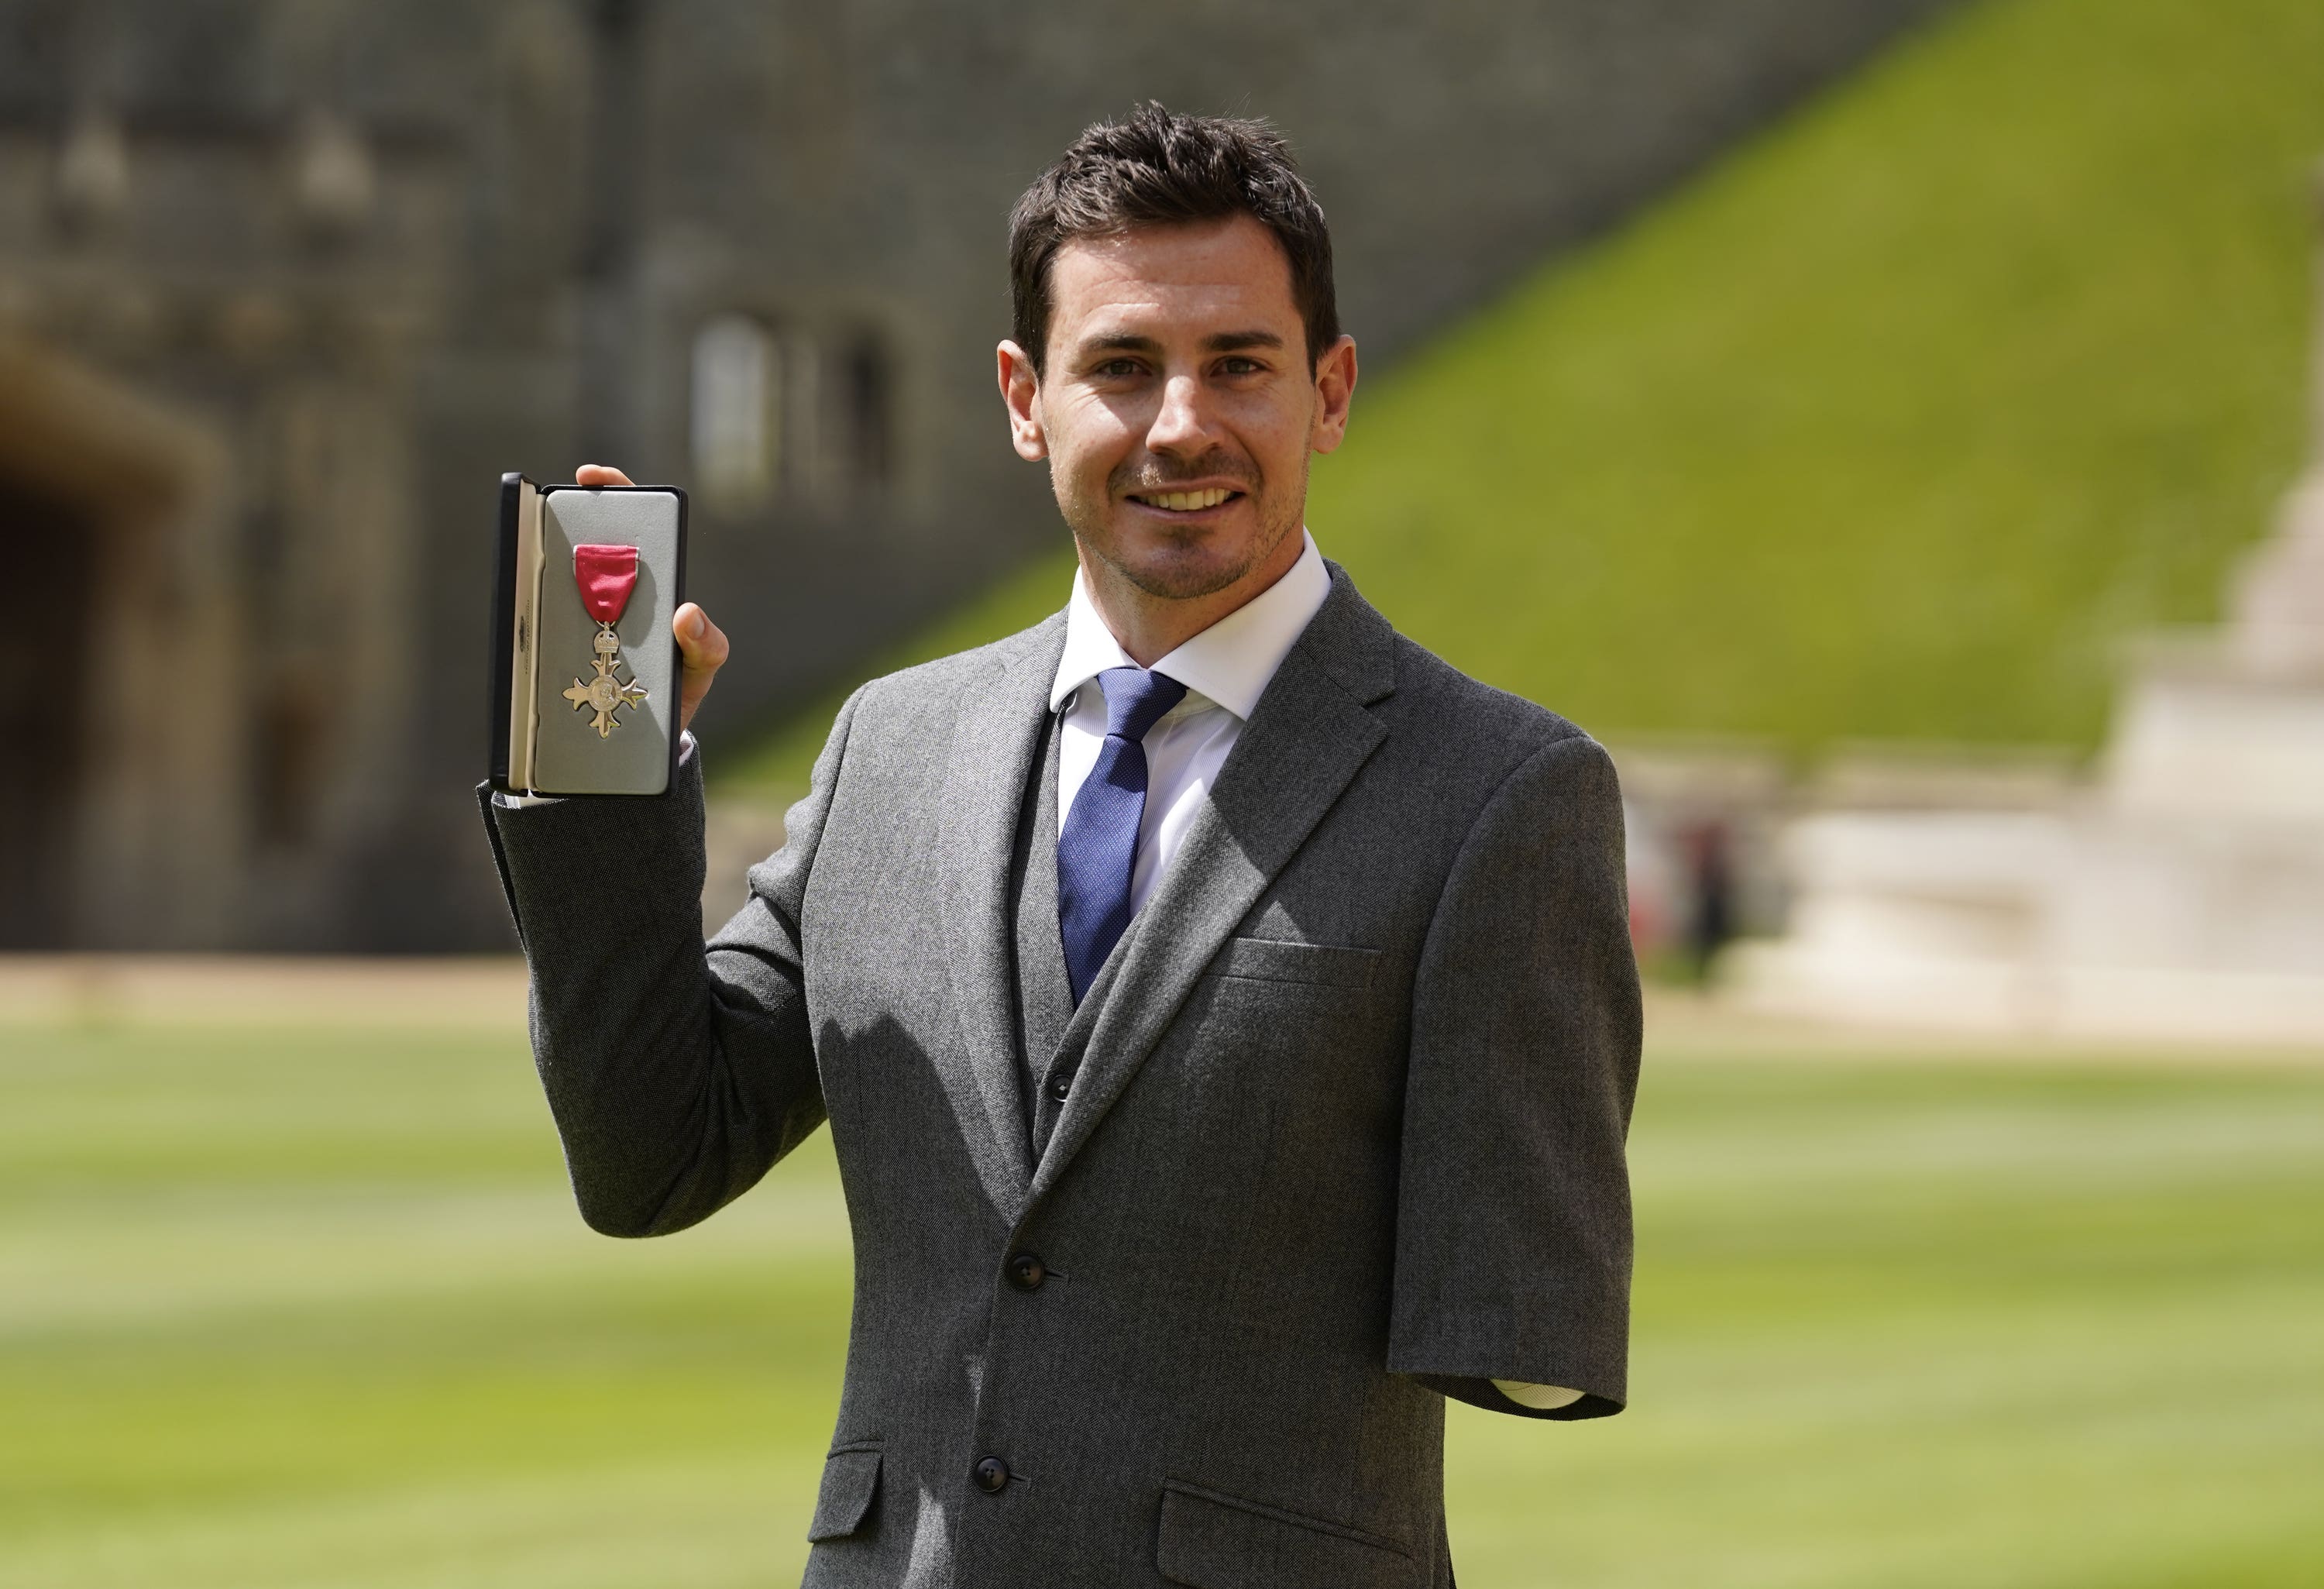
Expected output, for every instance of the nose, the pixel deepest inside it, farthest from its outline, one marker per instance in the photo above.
(1181, 426)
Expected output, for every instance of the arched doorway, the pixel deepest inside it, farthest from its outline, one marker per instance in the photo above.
(52, 592)
(97, 487)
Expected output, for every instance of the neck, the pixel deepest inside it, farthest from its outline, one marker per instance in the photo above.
(1150, 627)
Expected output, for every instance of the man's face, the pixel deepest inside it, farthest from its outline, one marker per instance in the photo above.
(1178, 407)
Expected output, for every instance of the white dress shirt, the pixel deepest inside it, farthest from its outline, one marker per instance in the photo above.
(1225, 668)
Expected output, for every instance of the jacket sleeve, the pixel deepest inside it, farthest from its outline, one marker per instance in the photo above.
(1513, 1222)
(677, 1072)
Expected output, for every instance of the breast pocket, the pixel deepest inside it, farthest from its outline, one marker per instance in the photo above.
(1287, 1048)
(1260, 959)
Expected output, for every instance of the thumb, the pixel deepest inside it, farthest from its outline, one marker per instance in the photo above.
(702, 648)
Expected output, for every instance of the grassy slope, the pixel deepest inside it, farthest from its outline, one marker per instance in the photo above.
(1894, 424)
(284, 1312)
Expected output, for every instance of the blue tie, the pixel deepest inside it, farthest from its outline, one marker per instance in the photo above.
(1097, 848)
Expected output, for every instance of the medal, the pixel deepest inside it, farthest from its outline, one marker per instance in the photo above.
(605, 575)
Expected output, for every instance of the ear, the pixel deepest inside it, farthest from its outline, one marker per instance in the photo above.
(1335, 388)
(1020, 390)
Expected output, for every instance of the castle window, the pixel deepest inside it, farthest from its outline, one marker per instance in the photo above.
(737, 410)
(865, 390)
(784, 413)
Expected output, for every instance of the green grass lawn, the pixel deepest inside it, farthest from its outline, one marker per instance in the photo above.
(312, 1309)
(1895, 423)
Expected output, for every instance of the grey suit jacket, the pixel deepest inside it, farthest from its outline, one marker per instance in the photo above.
(1338, 1132)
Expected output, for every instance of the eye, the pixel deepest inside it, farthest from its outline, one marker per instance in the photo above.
(1117, 368)
(1237, 365)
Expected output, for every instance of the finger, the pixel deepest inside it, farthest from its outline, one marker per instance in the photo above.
(600, 475)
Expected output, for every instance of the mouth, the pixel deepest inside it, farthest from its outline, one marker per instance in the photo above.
(1186, 502)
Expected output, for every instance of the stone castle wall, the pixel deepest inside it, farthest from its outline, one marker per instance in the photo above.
(368, 254)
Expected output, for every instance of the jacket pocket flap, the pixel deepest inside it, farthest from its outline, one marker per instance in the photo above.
(1215, 1542)
(1274, 960)
(850, 1479)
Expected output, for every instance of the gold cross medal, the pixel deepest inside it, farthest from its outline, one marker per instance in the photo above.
(605, 576)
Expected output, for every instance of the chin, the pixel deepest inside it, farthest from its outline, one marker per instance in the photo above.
(1177, 575)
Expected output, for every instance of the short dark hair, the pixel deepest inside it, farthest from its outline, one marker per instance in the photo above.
(1157, 167)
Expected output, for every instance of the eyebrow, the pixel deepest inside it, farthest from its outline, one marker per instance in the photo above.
(1217, 342)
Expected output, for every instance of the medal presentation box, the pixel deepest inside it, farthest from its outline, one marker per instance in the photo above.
(585, 668)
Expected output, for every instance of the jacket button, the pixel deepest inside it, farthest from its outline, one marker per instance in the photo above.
(1025, 1272)
(990, 1474)
(1060, 1085)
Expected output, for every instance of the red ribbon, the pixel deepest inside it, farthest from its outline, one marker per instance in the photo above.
(606, 574)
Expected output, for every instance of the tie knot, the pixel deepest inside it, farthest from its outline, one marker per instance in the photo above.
(1135, 699)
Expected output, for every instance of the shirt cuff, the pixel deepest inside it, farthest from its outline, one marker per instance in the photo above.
(1540, 1398)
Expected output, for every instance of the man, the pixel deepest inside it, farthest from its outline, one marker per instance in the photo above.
(1223, 1009)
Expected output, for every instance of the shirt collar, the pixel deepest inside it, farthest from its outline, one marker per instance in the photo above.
(1229, 663)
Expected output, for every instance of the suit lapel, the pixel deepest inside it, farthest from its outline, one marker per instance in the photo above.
(1309, 735)
(994, 744)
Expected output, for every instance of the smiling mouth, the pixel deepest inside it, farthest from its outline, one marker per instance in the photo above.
(1185, 502)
